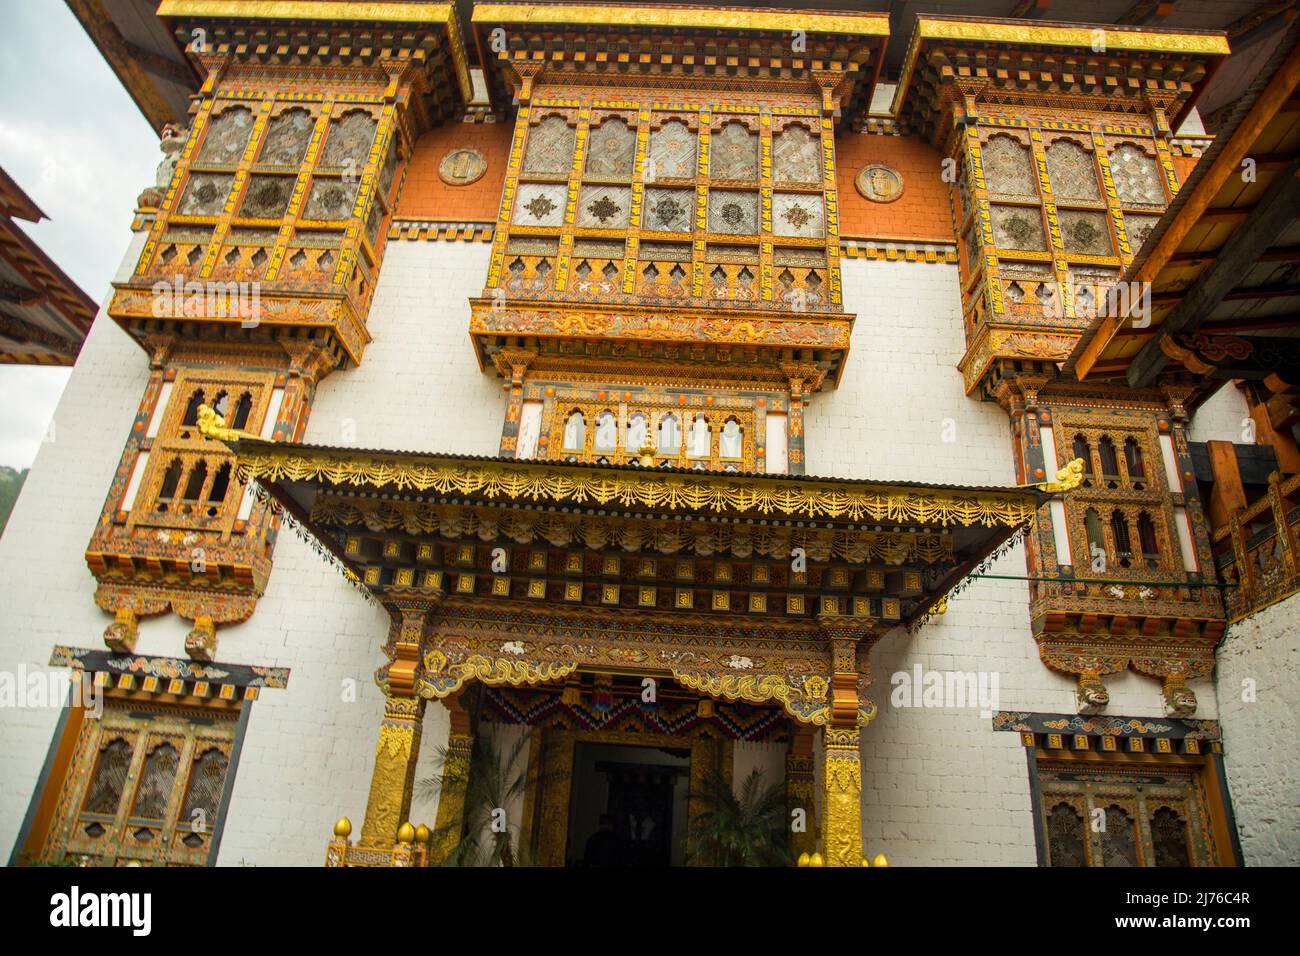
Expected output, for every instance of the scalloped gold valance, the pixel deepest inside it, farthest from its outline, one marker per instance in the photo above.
(716, 494)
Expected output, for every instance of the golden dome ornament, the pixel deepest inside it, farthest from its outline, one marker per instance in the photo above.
(406, 833)
(805, 859)
(880, 860)
(343, 828)
(816, 860)
(422, 834)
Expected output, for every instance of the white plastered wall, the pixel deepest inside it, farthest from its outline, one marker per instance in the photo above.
(1259, 698)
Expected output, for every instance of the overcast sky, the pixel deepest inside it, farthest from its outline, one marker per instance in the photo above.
(73, 139)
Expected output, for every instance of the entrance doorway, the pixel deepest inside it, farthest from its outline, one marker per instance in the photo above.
(628, 806)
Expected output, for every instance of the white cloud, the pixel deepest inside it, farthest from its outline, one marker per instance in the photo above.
(28, 396)
(74, 140)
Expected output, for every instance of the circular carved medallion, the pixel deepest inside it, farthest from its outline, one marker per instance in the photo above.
(460, 167)
(879, 183)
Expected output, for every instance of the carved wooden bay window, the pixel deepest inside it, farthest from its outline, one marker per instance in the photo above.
(310, 165)
(146, 784)
(187, 479)
(1058, 169)
(1121, 521)
(1066, 211)
(649, 240)
(1126, 816)
(599, 176)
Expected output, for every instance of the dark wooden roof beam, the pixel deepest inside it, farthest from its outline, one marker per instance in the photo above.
(1278, 208)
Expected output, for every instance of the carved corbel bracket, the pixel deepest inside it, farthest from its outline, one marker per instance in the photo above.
(525, 74)
(850, 641)
(805, 378)
(121, 635)
(830, 84)
(1177, 395)
(1088, 668)
(160, 348)
(1174, 673)
(411, 616)
(201, 642)
(308, 360)
(513, 363)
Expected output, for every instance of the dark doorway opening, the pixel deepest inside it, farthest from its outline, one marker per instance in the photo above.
(628, 807)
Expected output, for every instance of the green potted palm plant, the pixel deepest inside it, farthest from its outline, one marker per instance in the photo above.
(745, 828)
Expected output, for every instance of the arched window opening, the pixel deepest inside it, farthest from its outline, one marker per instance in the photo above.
(192, 409)
(171, 481)
(1133, 459)
(220, 484)
(670, 435)
(638, 430)
(242, 409)
(575, 430)
(1119, 530)
(1083, 452)
(701, 438)
(606, 432)
(198, 476)
(1096, 540)
(1109, 461)
(731, 441)
(1148, 541)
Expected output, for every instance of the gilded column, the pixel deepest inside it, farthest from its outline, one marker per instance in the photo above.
(399, 734)
(450, 825)
(842, 831)
(800, 792)
(842, 768)
(394, 774)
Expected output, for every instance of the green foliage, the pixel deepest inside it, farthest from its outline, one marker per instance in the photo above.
(745, 829)
(494, 780)
(11, 482)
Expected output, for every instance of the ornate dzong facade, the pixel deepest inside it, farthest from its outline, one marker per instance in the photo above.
(464, 386)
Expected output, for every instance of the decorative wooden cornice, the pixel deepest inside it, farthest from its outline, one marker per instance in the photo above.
(668, 490)
(1120, 68)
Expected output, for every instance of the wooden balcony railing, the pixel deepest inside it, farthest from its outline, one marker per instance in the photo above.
(1256, 549)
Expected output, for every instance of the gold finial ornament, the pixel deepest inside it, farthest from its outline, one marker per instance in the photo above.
(880, 860)
(343, 828)
(865, 861)
(805, 859)
(646, 453)
(212, 425)
(816, 860)
(406, 833)
(422, 834)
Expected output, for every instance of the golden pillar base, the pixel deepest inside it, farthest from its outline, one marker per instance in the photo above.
(394, 774)
(449, 827)
(842, 806)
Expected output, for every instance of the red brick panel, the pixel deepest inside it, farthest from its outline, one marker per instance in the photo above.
(921, 214)
(426, 196)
